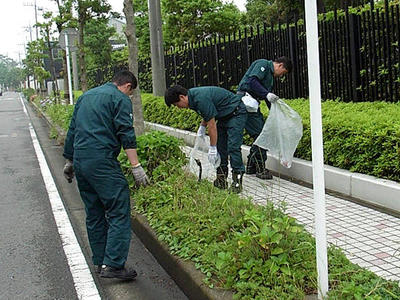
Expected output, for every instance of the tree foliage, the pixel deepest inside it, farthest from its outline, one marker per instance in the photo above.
(97, 43)
(275, 11)
(11, 74)
(34, 60)
(142, 27)
(47, 31)
(87, 10)
(190, 21)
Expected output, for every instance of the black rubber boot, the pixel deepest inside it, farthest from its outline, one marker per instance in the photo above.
(122, 273)
(221, 180)
(250, 167)
(98, 268)
(262, 172)
(237, 179)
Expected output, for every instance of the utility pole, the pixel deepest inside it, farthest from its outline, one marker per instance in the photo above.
(29, 29)
(157, 49)
(36, 15)
(75, 76)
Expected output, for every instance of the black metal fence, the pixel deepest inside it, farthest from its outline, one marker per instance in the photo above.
(359, 56)
(97, 77)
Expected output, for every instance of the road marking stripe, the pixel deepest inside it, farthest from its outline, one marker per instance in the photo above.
(23, 105)
(84, 284)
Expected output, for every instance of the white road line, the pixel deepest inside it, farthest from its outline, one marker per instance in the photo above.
(84, 284)
(23, 106)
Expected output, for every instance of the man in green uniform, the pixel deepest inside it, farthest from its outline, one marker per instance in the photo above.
(102, 122)
(258, 81)
(225, 116)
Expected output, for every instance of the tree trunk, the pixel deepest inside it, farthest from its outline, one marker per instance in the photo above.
(130, 33)
(52, 67)
(81, 41)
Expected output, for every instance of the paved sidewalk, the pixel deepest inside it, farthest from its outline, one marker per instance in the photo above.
(368, 237)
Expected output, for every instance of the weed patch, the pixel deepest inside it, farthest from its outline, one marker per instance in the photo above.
(257, 251)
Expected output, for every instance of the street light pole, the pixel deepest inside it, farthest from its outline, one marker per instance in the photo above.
(317, 145)
(71, 98)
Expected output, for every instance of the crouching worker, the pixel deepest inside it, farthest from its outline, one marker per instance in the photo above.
(101, 123)
(225, 116)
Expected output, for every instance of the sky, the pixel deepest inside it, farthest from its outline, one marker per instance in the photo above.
(17, 15)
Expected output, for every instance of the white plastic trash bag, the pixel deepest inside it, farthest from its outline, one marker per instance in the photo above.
(250, 103)
(198, 160)
(281, 132)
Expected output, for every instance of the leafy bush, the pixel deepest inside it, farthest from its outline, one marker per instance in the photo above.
(158, 153)
(360, 137)
(256, 251)
(28, 92)
(60, 114)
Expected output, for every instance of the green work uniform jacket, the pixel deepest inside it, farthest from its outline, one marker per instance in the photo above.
(102, 122)
(264, 71)
(213, 102)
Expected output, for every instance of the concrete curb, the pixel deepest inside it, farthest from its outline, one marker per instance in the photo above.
(184, 273)
(371, 190)
(61, 134)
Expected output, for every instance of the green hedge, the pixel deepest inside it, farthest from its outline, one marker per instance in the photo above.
(360, 137)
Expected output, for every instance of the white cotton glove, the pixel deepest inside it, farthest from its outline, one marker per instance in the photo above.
(201, 132)
(69, 170)
(271, 97)
(213, 156)
(140, 176)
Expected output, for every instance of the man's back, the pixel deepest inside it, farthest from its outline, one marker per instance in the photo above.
(95, 127)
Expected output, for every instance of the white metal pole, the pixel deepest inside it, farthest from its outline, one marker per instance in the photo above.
(317, 145)
(71, 98)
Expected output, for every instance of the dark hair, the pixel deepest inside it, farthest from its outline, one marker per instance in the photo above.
(172, 94)
(124, 76)
(287, 63)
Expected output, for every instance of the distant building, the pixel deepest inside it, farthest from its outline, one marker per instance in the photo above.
(57, 59)
(118, 24)
(119, 41)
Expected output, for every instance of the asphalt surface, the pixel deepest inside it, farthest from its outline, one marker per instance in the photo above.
(32, 260)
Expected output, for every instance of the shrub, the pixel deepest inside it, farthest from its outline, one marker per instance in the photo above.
(28, 93)
(60, 114)
(159, 154)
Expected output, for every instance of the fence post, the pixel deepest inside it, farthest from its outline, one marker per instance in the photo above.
(294, 56)
(216, 61)
(354, 36)
(389, 52)
(247, 47)
(175, 73)
(193, 65)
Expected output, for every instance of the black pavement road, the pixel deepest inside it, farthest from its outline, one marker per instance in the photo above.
(32, 260)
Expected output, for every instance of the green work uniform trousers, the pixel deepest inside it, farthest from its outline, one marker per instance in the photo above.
(254, 125)
(230, 139)
(105, 193)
